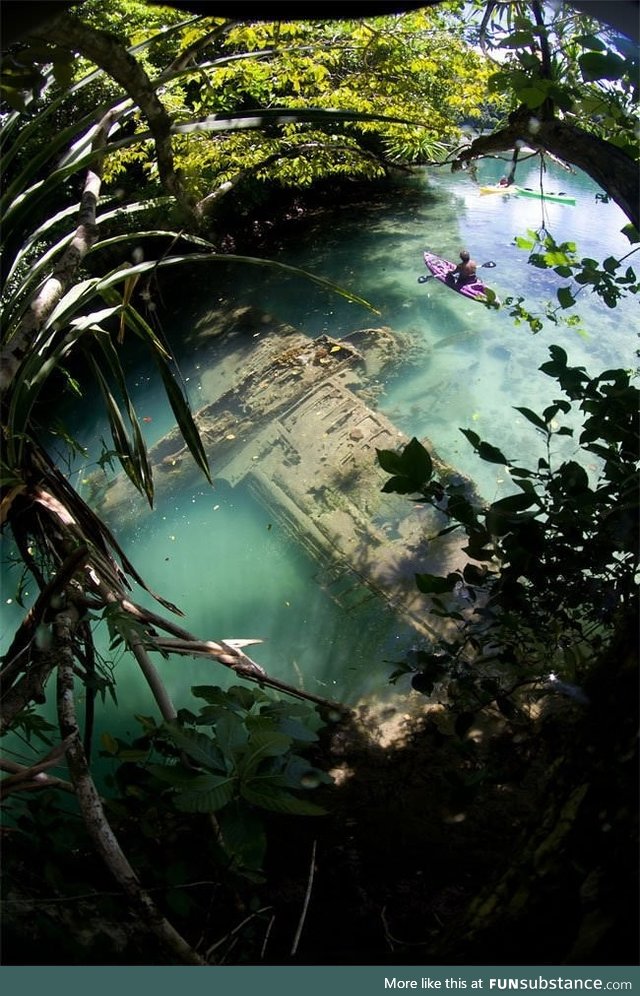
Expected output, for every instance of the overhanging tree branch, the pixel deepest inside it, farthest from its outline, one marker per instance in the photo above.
(605, 163)
(107, 52)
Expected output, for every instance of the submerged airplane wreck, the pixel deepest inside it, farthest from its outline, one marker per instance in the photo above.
(293, 419)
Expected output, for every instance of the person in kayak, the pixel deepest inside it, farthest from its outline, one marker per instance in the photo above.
(465, 271)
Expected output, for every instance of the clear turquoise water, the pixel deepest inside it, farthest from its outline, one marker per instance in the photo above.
(216, 553)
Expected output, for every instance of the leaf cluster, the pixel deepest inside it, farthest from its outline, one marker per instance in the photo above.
(611, 280)
(242, 754)
(397, 67)
(554, 58)
(552, 566)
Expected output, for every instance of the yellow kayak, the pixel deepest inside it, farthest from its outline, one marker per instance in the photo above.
(496, 189)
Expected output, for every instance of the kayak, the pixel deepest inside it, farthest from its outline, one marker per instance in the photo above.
(557, 198)
(496, 189)
(440, 268)
(560, 198)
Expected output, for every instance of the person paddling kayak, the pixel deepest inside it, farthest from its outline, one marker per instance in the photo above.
(465, 271)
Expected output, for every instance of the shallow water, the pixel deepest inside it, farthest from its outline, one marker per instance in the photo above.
(216, 553)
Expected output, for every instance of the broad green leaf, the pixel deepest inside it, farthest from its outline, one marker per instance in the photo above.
(524, 243)
(461, 509)
(601, 66)
(278, 801)
(390, 461)
(206, 794)
(398, 485)
(592, 42)
(574, 477)
(245, 698)
(296, 730)
(243, 834)
(268, 743)
(515, 503)
(631, 233)
(432, 584)
(533, 418)
(231, 733)
(173, 774)
(533, 96)
(416, 463)
(198, 746)
(218, 698)
(491, 454)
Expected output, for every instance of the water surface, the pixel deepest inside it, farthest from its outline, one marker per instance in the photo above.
(216, 553)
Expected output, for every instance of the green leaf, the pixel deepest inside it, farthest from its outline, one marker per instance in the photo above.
(109, 743)
(491, 454)
(515, 503)
(601, 66)
(416, 462)
(267, 743)
(278, 801)
(533, 96)
(398, 485)
(231, 733)
(173, 774)
(296, 730)
(565, 297)
(243, 834)
(631, 233)
(533, 418)
(389, 461)
(574, 477)
(432, 584)
(592, 42)
(206, 794)
(461, 509)
(212, 694)
(524, 243)
(182, 412)
(198, 746)
(275, 116)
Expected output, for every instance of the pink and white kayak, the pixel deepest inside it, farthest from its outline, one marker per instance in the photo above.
(440, 268)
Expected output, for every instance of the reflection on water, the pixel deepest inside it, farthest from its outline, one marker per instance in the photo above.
(217, 555)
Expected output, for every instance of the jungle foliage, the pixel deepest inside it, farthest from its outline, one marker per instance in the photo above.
(551, 574)
(572, 88)
(236, 95)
